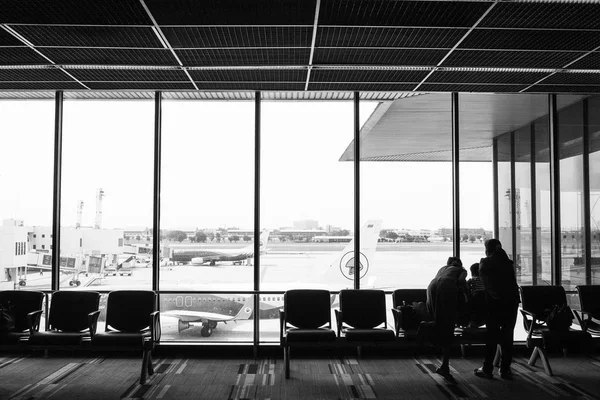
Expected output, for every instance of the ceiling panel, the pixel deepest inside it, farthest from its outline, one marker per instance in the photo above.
(485, 77)
(157, 75)
(100, 12)
(544, 14)
(363, 56)
(565, 78)
(237, 36)
(250, 86)
(529, 39)
(249, 75)
(233, 12)
(140, 85)
(40, 85)
(510, 59)
(564, 89)
(367, 86)
(401, 13)
(97, 56)
(36, 74)
(89, 36)
(460, 87)
(243, 57)
(388, 37)
(590, 61)
(6, 39)
(20, 56)
(369, 75)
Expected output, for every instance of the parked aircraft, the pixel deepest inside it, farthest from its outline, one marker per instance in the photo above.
(212, 256)
(209, 309)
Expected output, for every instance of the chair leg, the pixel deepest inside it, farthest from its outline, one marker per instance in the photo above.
(534, 356)
(545, 362)
(463, 350)
(358, 352)
(144, 367)
(286, 361)
(150, 365)
(498, 356)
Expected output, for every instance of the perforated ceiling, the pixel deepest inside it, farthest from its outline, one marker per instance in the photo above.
(378, 47)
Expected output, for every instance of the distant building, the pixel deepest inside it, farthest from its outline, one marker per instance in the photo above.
(306, 224)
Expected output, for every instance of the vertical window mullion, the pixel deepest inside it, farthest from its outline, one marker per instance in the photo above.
(56, 201)
(357, 257)
(556, 258)
(156, 192)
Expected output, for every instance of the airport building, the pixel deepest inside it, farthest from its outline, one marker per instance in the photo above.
(357, 116)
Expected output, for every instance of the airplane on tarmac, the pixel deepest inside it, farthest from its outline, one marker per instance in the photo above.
(212, 256)
(209, 309)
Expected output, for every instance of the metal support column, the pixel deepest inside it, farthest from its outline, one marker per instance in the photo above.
(257, 157)
(495, 183)
(513, 200)
(587, 194)
(156, 192)
(455, 176)
(58, 133)
(556, 258)
(533, 209)
(357, 257)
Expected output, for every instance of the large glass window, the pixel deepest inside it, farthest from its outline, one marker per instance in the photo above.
(523, 212)
(406, 184)
(570, 133)
(26, 182)
(207, 217)
(594, 145)
(505, 194)
(542, 202)
(107, 185)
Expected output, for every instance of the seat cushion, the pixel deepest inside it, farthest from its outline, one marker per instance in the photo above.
(310, 335)
(370, 335)
(120, 339)
(54, 338)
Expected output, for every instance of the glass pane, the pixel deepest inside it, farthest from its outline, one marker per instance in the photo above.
(570, 138)
(505, 194)
(542, 199)
(26, 185)
(406, 184)
(207, 195)
(523, 245)
(107, 185)
(594, 140)
(210, 317)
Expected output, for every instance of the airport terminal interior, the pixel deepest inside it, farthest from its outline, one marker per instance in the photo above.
(218, 154)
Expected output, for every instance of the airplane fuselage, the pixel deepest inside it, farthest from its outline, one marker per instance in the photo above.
(186, 256)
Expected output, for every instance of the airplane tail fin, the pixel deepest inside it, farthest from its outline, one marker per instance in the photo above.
(344, 265)
(264, 240)
(246, 310)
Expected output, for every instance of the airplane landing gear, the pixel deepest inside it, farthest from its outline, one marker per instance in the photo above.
(212, 263)
(75, 283)
(206, 331)
(212, 324)
(22, 282)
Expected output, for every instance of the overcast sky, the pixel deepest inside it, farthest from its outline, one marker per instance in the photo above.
(208, 168)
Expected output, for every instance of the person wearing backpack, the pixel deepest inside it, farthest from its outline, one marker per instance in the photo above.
(497, 273)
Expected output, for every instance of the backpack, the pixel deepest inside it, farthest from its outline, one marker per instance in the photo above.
(560, 318)
(7, 318)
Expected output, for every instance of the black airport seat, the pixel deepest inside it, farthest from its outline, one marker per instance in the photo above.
(362, 318)
(23, 306)
(412, 301)
(132, 324)
(537, 303)
(589, 299)
(305, 320)
(68, 320)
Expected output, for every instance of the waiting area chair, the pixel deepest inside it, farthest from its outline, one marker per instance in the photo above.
(537, 302)
(304, 321)
(24, 306)
(132, 324)
(362, 318)
(412, 301)
(68, 320)
(589, 299)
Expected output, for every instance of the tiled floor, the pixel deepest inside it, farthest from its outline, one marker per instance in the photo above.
(34, 377)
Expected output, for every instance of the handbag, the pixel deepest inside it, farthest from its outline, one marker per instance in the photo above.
(7, 318)
(560, 318)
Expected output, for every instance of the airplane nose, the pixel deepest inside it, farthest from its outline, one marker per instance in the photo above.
(181, 326)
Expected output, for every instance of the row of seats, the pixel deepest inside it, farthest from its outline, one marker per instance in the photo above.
(132, 323)
(361, 319)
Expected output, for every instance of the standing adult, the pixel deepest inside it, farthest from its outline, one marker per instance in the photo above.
(497, 273)
(443, 301)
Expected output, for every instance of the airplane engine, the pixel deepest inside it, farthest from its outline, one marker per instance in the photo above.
(182, 325)
(197, 260)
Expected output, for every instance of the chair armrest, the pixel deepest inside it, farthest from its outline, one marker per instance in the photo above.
(586, 318)
(33, 320)
(533, 319)
(155, 329)
(338, 322)
(396, 314)
(93, 322)
(281, 325)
